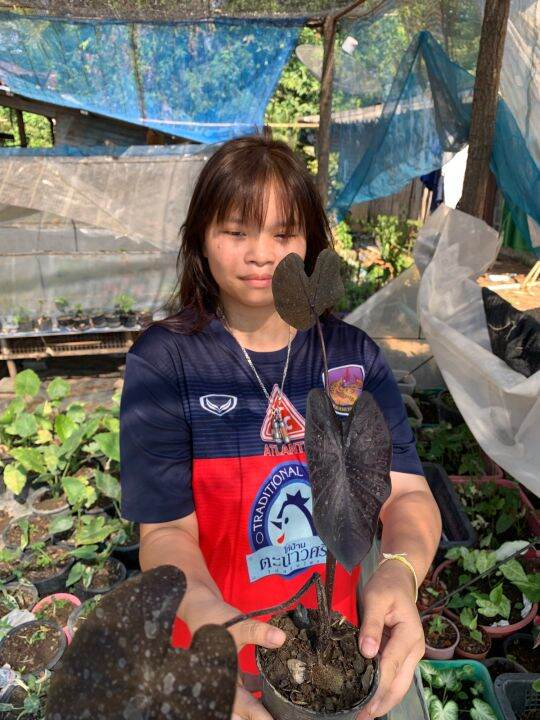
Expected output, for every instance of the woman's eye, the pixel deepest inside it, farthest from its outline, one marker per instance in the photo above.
(234, 233)
(285, 236)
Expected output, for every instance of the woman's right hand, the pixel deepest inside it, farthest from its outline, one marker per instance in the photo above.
(248, 632)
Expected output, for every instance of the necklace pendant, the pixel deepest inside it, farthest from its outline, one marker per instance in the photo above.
(279, 431)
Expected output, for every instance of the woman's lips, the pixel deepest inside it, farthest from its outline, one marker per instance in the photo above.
(258, 282)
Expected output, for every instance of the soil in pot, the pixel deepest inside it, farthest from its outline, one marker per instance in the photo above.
(498, 666)
(428, 592)
(38, 531)
(48, 503)
(18, 596)
(5, 517)
(6, 571)
(17, 697)
(58, 611)
(342, 683)
(112, 320)
(31, 647)
(104, 579)
(128, 319)
(519, 648)
(441, 635)
(36, 570)
(468, 647)
(98, 320)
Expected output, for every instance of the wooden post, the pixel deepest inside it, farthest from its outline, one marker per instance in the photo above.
(22, 130)
(325, 107)
(484, 108)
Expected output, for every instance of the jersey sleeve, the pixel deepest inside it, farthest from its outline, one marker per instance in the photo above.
(380, 382)
(155, 437)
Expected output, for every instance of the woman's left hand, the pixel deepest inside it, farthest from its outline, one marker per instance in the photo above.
(388, 602)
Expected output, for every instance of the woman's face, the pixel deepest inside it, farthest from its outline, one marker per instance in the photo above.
(243, 258)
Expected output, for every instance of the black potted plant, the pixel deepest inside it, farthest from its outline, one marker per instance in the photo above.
(64, 319)
(97, 318)
(33, 647)
(23, 320)
(46, 566)
(319, 671)
(43, 321)
(124, 305)
(81, 320)
(96, 572)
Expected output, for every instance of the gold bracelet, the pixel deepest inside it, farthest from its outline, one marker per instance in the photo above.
(402, 559)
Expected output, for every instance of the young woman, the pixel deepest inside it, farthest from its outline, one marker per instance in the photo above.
(219, 491)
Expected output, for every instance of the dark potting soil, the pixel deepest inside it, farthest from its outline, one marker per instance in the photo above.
(21, 598)
(450, 576)
(467, 643)
(105, 577)
(440, 640)
(27, 652)
(339, 682)
(33, 569)
(58, 611)
(5, 571)
(46, 502)
(5, 517)
(38, 530)
(522, 652)
(426, 598)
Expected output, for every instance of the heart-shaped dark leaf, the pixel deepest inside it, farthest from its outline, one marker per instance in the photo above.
(300, 300)
(349, 469)
(121, 664)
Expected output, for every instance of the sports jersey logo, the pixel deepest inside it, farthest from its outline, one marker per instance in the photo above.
(218, 404)
(294, 422)
(281, 530)
(346, 383)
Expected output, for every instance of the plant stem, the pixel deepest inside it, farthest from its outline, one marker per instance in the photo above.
(314, 579)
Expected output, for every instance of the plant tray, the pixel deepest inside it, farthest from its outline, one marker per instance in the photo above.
(516, 696)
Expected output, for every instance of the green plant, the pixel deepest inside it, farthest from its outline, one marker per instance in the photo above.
(124, 303)
(61, 303)
(22, 315)
(93, 562)
(453, 693)
(37, 636)
(78, 310)
(35, 696)
(455, 448)
(436, 625)
(470, 621)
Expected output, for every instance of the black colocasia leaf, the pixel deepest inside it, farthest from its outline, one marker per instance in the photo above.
(349, 469)
(300, 299)
(121, 665)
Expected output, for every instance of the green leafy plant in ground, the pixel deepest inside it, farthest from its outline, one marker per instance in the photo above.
(453, 693)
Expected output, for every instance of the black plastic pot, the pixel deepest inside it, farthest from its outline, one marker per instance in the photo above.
(503, 665)
(13, 586)
(516, 696)
(522, 637)
(457, 529)
(128, 319)
(37, 495)
(85, 594)
(53, 584)
(44, 324)
(128, 555)
(10, 524)
(112, 321)
(37, 623)
(282, 709)
(447, 413)
(98, 321)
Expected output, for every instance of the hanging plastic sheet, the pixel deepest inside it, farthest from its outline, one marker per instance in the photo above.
(501, 406)
(207, 81)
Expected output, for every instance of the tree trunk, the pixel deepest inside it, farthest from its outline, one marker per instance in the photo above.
(484, 109)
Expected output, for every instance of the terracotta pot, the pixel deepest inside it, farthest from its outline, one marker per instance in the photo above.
(75, 602)
(492, 631)
(460, 653)
(433, 653)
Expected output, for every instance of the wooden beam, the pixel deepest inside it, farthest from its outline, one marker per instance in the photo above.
(325, 107)
(484, 109)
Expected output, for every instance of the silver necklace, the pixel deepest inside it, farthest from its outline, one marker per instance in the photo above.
(279, 431)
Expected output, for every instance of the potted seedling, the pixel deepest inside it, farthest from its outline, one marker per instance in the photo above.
(442, 637)
(126, 544)
(95, 572)
(125, 644)
(25, 700)
(25, 530)
(47, 567)
(124, 305)
(64, 319)
(97, 318)
(80, 614)
(17, 596)
(474, 643)
(8, 560)
(57, 608)
(23, 320)
(429, 591)
(80, 319)
(33, 647)
(112, 319)
(319, 671)
(43, 321)
(520, 648)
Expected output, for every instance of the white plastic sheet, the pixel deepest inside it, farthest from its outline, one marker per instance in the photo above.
(501, 406)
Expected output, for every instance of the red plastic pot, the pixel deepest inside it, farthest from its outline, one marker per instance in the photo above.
(58, 596)
(496, 631)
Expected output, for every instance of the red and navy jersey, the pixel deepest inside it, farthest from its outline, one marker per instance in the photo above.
(196, 435)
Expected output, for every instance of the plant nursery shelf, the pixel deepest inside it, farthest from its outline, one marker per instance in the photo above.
(36, 348)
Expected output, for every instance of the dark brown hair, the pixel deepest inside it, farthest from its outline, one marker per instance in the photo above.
(236, 177)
